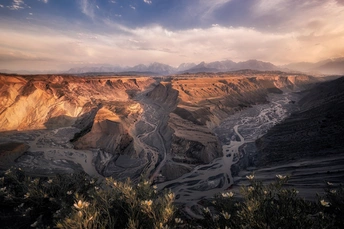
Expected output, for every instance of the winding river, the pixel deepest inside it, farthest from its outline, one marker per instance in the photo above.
(241, 128)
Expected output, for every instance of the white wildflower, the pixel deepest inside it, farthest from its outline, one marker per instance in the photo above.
(281, 177)
(250, 177)
(147, 203)
(171, 196)
(80, 204)
(226, 215)
(324, 203)
(178, 220)
(206, 210)
(333, 191)
(8, 171)
(227, 194)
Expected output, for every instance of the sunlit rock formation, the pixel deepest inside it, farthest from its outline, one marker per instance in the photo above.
(141, 125)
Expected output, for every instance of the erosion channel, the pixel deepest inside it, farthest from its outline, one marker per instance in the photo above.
(237, 134)
(189, 133)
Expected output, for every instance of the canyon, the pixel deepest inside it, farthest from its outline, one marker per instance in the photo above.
(197, 134)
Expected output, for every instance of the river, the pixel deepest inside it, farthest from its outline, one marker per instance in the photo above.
(244, 127)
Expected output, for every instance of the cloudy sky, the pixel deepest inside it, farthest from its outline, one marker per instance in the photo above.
(60, 34)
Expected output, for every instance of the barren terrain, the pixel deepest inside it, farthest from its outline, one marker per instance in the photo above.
(194, 134)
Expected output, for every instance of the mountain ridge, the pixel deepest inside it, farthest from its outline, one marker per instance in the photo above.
(332, 66)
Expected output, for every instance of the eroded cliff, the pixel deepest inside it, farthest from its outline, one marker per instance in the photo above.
(141, 125)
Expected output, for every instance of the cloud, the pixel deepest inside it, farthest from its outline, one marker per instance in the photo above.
(45, 1)
(207, 8)
(17, 5)
(310, 32)
(87, 8)
(294, 15)
(156, 43)
(1, 6)
(133, 7)
(147, 1)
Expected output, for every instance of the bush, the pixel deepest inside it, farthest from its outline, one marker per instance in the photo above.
(79, 201)
(273, 206)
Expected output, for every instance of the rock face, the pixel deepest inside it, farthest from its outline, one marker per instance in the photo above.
(39, 102)
(109, 132)
(205, 100)
(141, 125)
(315, 131)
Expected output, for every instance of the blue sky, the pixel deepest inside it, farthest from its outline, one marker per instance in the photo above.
(60, 34)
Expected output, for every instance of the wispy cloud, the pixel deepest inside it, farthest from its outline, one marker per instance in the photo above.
(206, 8)
(45, 1)
(17, 5)
(133, 7)
(87, 8)
(147, 1)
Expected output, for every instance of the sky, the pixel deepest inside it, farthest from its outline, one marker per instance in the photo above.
(60, 34)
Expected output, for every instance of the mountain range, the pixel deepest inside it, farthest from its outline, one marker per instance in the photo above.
(334, 66)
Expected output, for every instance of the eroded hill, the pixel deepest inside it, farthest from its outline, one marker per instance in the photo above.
(138, 126)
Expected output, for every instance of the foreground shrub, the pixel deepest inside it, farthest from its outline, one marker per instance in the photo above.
(274, 206)
(79, 201)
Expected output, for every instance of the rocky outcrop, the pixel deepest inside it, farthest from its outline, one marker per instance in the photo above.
(109, 130)
(205, 100)
(316, 130)
(213, 97)
(39, 102)
(140, 125)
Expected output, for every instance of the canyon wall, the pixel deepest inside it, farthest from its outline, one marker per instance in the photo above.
(164, 124)
(314, 131)
(39, 102)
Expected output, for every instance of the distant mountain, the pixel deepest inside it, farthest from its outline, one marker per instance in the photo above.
(228, 65)
(185, 66)
(156, 68)
(164, 69)
(201, 67)
(85, 69)
(257, 65)
(159, 68)
(330, 66)
(28, 72)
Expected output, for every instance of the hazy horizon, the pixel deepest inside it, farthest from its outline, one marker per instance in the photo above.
(59, 34)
